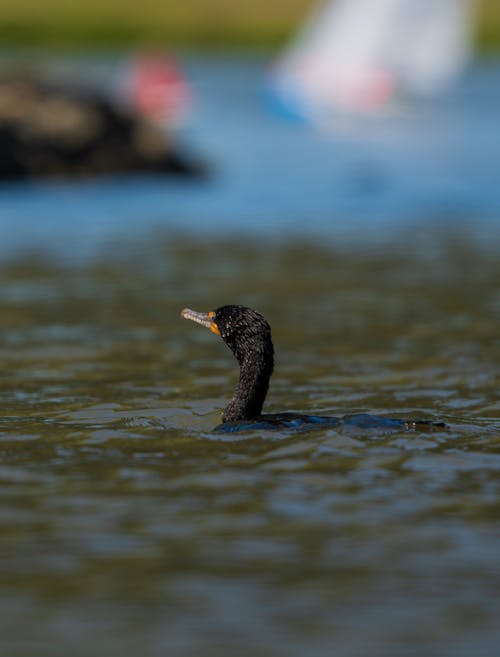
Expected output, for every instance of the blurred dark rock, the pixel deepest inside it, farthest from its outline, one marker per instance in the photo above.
(55, 130)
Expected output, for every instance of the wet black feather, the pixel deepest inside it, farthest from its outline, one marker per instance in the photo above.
(248, 335)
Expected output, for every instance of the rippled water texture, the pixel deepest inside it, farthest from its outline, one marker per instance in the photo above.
(129, 528)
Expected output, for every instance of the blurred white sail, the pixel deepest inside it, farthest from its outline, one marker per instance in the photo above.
(361, 54)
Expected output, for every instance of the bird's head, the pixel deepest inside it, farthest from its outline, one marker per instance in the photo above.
(248, 335)
(245, 331)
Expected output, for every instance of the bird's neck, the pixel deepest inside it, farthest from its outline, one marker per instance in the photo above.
(250, 393)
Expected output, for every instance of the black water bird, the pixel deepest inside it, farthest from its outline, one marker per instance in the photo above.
(248, 334)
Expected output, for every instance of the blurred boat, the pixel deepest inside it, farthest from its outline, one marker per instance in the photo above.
(57, 127)
(364, 55)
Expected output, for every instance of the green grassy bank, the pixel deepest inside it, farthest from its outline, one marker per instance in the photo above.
(193, 23)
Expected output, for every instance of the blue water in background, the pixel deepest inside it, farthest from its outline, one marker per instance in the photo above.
(362, 180)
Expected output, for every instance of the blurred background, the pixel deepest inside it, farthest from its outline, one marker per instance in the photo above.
(335, 166)
(201, 24)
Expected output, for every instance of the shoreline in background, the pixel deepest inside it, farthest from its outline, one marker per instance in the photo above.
(197, 24)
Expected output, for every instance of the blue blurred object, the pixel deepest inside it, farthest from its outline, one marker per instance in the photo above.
(362, 56)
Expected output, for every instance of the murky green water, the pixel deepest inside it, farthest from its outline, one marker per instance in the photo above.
(128, 528)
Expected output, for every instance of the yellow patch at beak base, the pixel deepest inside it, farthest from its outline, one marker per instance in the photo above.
(213, 326)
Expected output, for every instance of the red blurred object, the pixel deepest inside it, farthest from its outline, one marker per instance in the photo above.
(159, 90)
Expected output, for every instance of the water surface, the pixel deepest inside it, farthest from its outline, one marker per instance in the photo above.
(128, 526)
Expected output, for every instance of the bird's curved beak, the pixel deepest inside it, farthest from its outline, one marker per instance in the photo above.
(205, 319)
